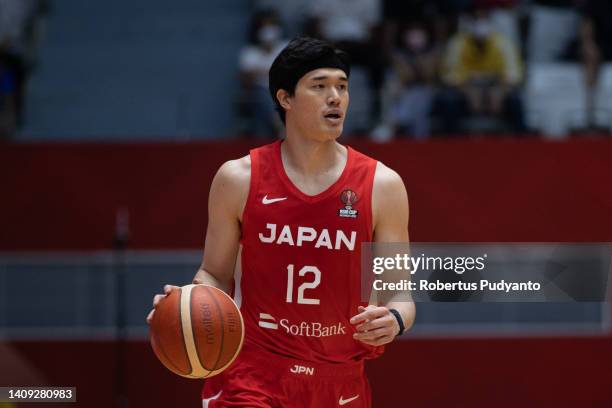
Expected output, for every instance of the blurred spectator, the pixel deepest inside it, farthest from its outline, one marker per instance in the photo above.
(17, 20)
(347, 21)
(504, 18)
(14, 65)
(482, 71)
(265, 42)
(553, 25)
(14, 16)
(7, 103)
(292, 13)
(410, 85)
(595, 37)
(440, 15)
(595, 48)
(354, 26)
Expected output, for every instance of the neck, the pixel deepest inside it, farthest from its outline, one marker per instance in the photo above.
(310, 156)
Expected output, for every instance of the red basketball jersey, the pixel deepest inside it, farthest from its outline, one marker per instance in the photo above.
(300, 280)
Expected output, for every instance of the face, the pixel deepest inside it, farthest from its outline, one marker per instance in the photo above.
(415, 39)
(480, 25)
(318, 106)
(269, 34)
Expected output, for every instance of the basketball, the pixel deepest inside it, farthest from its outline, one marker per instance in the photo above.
(197, 331)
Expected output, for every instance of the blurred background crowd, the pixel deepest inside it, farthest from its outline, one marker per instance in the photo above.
(20, 24)
(451, 67)
(421, 68)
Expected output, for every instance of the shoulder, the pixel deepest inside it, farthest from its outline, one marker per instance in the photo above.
(236, 171)
(389, 196)
(230, 187)
(387, 180)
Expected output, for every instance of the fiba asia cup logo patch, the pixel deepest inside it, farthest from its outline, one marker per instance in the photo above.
(349, 198)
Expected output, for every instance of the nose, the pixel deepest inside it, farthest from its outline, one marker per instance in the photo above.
(334, 97)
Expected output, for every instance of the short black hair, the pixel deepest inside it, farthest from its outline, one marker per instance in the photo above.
(299, 57)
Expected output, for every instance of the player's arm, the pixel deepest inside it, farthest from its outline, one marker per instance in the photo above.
(228, 194)
(376, 325)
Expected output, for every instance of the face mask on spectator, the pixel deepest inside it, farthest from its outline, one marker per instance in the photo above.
(269, 34)
(481, 28)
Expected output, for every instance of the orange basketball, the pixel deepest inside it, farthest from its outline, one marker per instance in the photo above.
(197, 331)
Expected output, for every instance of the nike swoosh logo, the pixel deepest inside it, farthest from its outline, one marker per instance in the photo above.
(267, 200)
(343, 401)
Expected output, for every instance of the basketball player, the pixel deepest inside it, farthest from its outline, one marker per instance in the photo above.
(284, 236)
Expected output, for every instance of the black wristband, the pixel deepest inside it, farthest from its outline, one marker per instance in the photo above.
(400, 322)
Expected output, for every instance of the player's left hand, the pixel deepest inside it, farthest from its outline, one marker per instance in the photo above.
(375, 325)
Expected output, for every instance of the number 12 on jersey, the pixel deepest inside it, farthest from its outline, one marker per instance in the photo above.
(301, 299)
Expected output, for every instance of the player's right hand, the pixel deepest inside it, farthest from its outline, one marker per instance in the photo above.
(157, 298)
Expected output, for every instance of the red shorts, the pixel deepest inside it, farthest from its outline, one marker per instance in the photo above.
(260, 379)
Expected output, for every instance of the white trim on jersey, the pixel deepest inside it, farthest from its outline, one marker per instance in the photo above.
(238, 278)
(206, 401)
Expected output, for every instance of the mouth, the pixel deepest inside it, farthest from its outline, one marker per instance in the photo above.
(333, 117)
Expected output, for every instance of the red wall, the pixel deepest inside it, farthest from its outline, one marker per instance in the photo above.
(64, 197)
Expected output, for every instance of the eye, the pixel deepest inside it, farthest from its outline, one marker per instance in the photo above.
(318, 86)
(342, 87)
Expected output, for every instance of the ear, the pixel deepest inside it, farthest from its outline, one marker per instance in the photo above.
(284, 99)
